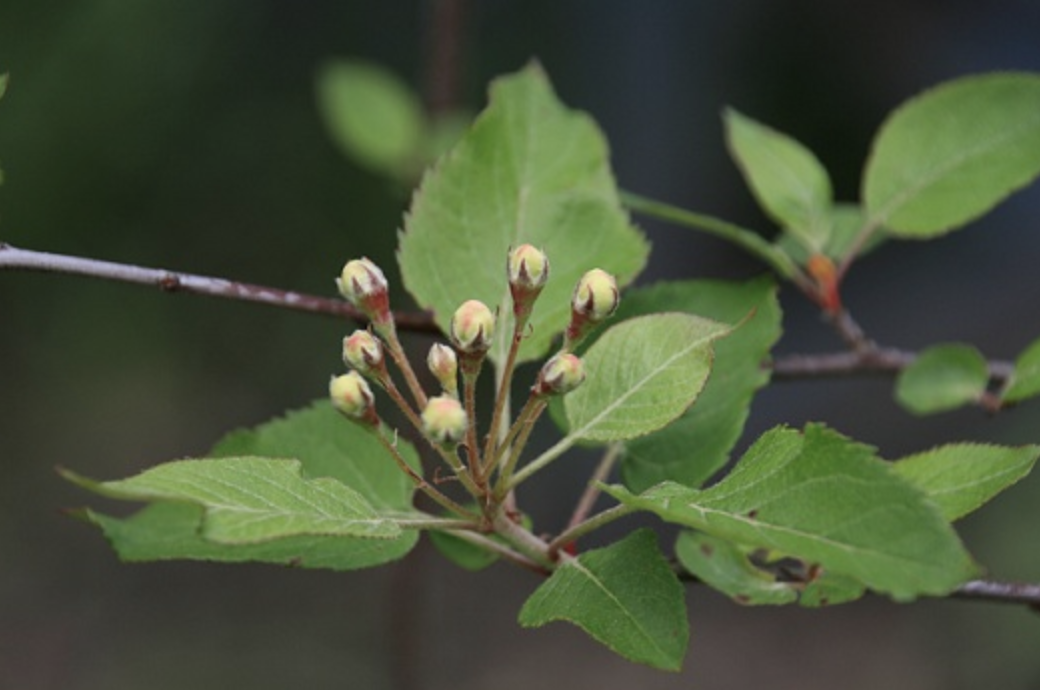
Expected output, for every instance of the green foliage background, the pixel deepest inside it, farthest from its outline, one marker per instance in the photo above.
(185, 135)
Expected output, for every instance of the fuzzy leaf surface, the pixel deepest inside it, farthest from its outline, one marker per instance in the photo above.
(624, 595)
(172, 531)
(819, 497)
(786, 178)
(371, 114)
(962, 477)
(697, 444)
(724, 566)
(642, 374)
(528, 170)
(1025, 381)
(329, 446)
(942, 378)
(952, 153)
(250, 499)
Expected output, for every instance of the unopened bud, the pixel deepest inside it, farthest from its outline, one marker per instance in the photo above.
(363, 284)
(596, 297)
(472, 327)
(561, 374)
(444, 365)
(444, 420)
(351, 395)
(363, 351)
(528, 267)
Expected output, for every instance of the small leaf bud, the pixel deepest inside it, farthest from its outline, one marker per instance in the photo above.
(444, 420)
(364, 352)
(560, 375)
(363, 284)
(351, 395)
(444, 365)
(472, 327)
(596, 297)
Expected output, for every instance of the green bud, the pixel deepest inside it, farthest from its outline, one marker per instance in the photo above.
(444, 365)
(363, 284)
(472, 327)
(560, 375)
(528, 267)
(364, 352)
(596, 297)
(444, 420)
(351, 395)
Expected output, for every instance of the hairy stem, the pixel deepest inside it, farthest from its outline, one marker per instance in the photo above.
(515, 442)
(592, 490)
(583, 528)
(422, 484)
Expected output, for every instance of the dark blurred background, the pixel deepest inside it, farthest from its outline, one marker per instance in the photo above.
(186, 135)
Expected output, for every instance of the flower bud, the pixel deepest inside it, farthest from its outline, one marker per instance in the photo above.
(444, 365)
(561, 374)
(363, 284)
(528, 267)
(472, 327)
(351, 395)
(444, 420)
(364, 352)
(596, 297)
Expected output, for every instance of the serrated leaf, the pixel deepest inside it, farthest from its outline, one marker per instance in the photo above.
(250, 500)
(171, 531)
(788, 181)
(642, 374)
(962, 477)
(529, 170)
(942, 378)
(625, 596)
(328, 446)
(821, 498)
(952, 153)
(722, 565)
(371, 114)
(1025, 380)
(697, 444)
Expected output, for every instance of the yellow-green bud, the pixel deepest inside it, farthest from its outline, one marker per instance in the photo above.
(351, 395)
(444, 420)
(444, 365)
(363, 284)
(528, 267)
(561, 374)
(363, 351)
(472, 327)
(596, 297)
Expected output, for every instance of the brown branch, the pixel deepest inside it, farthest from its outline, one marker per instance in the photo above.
(171, 281)
(1000, 592)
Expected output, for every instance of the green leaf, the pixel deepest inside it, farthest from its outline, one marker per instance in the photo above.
(168, 531)
(1025, 381)
(829, 589)
(625, 596)
(942, 378)
(698, 443)
(846, 221)
(328, 446)
(249, 500)
(529, 170)
(821, 498)
(462, 553)
(722, 565)
(372, 115)
(642, 374)
(952, 153)
(4, 78)
(786, 178)
(961, 477)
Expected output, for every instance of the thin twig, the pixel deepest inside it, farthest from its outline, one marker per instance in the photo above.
(173, 281)
(592, 489)
(1000, 592)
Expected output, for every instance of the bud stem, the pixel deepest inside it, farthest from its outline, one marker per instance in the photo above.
(575, 532)
(389, 335)
(516, 440)
(422, 484)
(471, 365)
(501, 398)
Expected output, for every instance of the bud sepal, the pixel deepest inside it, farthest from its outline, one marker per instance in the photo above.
(596, 298)
(444, 421)
(443, 363)
(560, 375)
(528, 270)
(363, 284)
(352, 397)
